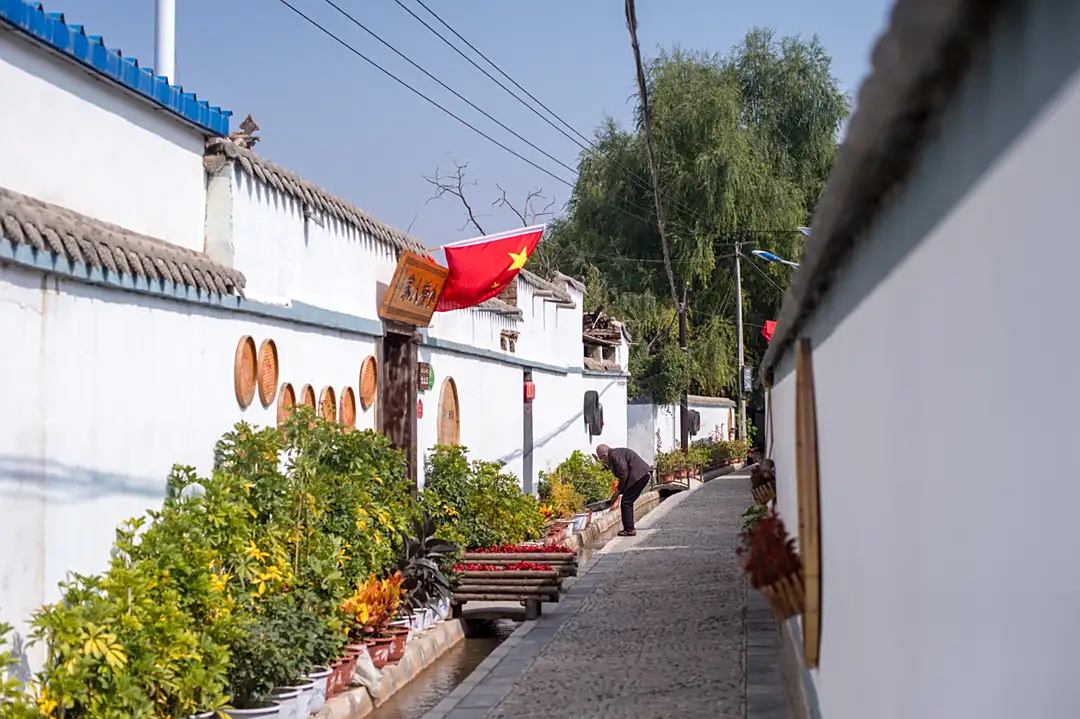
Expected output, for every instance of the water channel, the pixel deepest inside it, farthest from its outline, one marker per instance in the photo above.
(449, 670)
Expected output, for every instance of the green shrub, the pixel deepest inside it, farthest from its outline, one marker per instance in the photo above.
(476, 504)
(588, 477)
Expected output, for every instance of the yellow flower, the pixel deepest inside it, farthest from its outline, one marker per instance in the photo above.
(449, 511)
(248, 486)
(218, 582)
(253, 551)
(46, 704)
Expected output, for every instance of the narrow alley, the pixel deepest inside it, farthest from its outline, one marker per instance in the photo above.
(654, 626)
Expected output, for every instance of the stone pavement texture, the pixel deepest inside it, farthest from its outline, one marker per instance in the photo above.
(655, 626)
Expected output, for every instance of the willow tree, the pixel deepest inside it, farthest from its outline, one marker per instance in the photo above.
(744, 145)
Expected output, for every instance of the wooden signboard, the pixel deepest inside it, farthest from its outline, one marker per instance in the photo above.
(424, 377)
(806, 475)
(413, 292)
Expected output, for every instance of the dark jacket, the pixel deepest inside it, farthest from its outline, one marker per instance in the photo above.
(627, 467)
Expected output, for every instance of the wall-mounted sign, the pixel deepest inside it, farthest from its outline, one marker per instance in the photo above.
(413, 292)
(425, 378)
(748, 379)
(419, 409)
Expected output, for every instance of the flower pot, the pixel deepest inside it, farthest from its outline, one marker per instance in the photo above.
(270, 711)
(288, 699)
(682, 473)
(379, 649)
(320, 678)
(786, 595)
(667, 478)
(299, 708)
(342, 674)
(400, 637)
(442, 608)
(764, 493)
(405, 624)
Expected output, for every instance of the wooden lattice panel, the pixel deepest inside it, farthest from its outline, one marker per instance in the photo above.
(369, 383)
(328, 404)
(307, 396)
(286, 403)
(245, 367)
(347, 413)
(268, 372)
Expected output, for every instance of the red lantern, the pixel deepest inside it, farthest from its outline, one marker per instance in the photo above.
(419, 409)
(530, 391)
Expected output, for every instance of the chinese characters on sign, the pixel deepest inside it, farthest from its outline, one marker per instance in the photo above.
(414, 290)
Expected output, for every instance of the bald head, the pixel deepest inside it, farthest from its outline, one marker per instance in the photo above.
(602, 452)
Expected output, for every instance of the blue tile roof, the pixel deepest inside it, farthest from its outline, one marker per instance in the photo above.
(89, 50)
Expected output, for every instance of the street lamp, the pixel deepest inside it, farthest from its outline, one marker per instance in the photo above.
(770, 257)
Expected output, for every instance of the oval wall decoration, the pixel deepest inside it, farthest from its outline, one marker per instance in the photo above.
(286, 403)
(307, 396)
(245, 367)
(369, 382)
(268, 372)
(449, 414)
(328, 404)
(347, 413)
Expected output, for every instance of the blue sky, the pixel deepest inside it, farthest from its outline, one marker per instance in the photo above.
(330, 117)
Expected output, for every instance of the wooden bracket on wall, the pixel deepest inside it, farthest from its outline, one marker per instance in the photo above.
(806, 471)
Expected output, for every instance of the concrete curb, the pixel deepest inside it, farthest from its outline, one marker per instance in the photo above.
(419, 655)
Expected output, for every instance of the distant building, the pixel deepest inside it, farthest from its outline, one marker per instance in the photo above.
(935, 311)
(653, 428)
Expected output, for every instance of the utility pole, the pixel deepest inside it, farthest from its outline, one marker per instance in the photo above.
(739, 332)
(654, 172)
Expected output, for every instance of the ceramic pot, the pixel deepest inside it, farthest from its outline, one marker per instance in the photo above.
(397, 647)
(271, 711)
(289, 700)
(442, 608)
(319, 678)
(379, 649)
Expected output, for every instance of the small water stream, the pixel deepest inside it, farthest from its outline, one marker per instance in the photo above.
(449, 670)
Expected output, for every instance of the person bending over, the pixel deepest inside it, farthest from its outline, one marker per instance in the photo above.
(633, 474)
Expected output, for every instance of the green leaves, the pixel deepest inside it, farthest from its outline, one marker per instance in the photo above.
(588, 477)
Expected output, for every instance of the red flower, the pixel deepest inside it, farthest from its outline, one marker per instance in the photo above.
(549, 548)
(515, 566)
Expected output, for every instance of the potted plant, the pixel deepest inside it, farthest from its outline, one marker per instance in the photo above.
(666, 466)
(773, 566)
(371, 608)
(422, 562)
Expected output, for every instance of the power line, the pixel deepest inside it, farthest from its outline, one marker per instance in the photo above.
(762, 272)
(420, 94)
(589, 144)
(446, 87)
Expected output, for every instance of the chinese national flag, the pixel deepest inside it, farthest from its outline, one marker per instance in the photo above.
(482, 268)
(768, 329)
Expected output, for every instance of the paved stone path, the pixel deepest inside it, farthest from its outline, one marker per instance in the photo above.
(655, 626)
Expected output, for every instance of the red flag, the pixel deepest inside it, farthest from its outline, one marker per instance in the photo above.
(482, 268)
(768, 329)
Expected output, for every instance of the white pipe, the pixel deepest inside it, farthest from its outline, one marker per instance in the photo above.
(165, 39)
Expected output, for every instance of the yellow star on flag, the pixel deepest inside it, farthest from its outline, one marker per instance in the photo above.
(495, 285)
(517, 259)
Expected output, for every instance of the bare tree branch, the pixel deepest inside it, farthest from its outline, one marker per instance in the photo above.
(526, 212)
(455, 186)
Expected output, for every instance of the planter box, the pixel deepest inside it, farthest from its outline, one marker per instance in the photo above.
(786, 596)
(764, 493)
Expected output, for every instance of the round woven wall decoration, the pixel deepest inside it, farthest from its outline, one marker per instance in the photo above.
(347, 414)
(245, 367)
(328, 404)
(369, 382)
(286, 403)
(307, 396)
(268, 372)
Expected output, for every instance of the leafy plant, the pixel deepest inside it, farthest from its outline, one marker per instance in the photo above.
(374, 605)
(421, 562)
(561, 496)
(475, 503)
(15, 701)
(768, 553)
(750, 518)
(590, 478)
(266, 653)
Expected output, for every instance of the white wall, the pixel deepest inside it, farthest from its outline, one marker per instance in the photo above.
(111, 389)
(646, 421)
(71, 138)
(949, 529)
